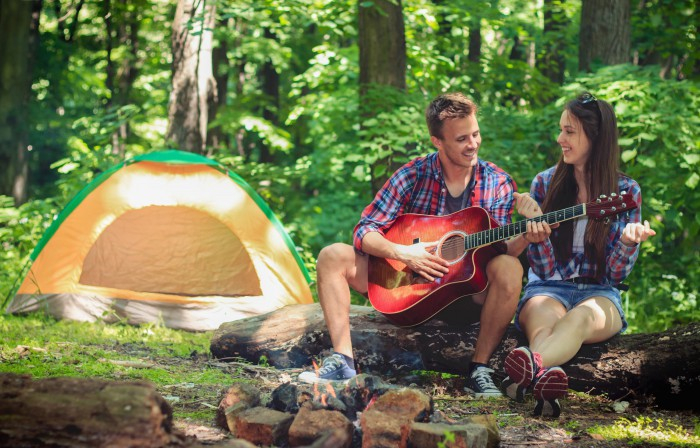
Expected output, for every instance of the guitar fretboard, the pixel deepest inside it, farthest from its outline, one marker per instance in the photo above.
(486, 237)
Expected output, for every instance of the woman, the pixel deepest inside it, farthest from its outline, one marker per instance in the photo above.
(572, 296)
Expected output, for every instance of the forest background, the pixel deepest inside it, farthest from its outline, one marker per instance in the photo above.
(315, 102)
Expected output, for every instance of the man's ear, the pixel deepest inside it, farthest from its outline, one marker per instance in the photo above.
(436, 141)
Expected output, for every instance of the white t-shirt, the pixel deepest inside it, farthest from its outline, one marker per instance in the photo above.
(579, 232)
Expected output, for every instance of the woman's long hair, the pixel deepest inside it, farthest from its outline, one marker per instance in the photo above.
(598, 121)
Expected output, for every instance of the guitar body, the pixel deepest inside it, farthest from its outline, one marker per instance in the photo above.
(406, 298)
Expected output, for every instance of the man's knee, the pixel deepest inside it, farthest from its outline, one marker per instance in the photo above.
(506, 273)
(335, 255)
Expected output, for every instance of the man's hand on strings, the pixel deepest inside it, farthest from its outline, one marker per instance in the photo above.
(422, 260)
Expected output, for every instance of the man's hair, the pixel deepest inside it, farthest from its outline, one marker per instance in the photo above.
(445, 107)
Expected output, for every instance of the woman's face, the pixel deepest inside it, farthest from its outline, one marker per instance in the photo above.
(574, 143)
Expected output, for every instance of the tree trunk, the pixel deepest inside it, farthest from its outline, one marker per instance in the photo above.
(19, 24)
(216, 138)
(605, 35)
(474, 55)
(552, 62)
(193, 82)
(382, 43)
(664, 366)
(78, 412)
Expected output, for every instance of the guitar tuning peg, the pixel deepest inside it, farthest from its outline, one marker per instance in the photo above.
(602, 196)
(613, 195)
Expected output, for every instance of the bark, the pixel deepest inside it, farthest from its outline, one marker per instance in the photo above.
(73, 412)
(382, 42)
(193, 83)
(216, 137)
(605, 34)
(19, 24)
(552, 61)
(475, 42)
(662, 366)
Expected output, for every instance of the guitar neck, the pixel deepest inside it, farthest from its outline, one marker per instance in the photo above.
(486, 237)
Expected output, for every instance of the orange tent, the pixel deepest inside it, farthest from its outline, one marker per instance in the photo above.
(170, 237)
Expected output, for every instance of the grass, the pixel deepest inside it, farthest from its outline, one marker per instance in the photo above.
(647, 430)
(43, 347)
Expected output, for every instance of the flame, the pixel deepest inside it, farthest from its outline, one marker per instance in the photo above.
(330, 390)
(323, 400)
(371, 401)
(316, 392)
(315, 367)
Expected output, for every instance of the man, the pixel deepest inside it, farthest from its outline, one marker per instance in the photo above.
(440, 183)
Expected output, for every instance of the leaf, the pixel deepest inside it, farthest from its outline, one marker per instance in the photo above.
(691, 159)
(629, 155)
(692, 181)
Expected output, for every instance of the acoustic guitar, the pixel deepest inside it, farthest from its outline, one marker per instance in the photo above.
(465, 240)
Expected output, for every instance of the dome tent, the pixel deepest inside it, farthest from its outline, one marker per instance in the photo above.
(170, 237)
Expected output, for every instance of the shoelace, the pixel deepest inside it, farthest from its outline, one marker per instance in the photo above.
(329, 364)
(483, 379)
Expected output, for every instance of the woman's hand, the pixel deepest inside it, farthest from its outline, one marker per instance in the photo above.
(636, 232)
(529, 208)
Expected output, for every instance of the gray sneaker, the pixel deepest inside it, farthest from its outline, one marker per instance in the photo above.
(481, 385)
(334, 369)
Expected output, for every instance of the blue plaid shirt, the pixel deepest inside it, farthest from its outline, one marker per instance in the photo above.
(418, 187)
(620, 258)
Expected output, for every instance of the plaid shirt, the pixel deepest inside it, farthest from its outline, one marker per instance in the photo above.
(619, 257)
(418, 187)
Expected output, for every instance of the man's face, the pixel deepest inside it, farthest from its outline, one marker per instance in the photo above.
(460, 141)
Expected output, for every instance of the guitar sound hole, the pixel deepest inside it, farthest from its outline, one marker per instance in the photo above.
(452, 248)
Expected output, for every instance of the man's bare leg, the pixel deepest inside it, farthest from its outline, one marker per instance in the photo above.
(339, 267)
(505, 275)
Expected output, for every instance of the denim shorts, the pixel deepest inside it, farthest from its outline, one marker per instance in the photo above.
(570, 295)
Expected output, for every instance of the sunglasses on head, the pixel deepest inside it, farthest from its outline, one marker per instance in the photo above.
(587, 98)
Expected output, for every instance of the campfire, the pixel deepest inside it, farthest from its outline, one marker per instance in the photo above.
(366, 412)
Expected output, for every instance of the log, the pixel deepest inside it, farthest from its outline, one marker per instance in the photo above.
(661, 367)
(78, 412)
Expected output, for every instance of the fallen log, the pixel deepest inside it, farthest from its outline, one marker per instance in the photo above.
(662, 367)
(80, 412)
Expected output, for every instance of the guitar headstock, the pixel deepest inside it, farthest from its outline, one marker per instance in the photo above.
(607, 206)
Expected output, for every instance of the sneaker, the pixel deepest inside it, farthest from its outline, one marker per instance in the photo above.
(513, 390)
(334, 369)
(522, 365)
(549, 386)
(481, 385)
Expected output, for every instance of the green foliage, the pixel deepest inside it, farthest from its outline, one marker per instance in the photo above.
(20, 230)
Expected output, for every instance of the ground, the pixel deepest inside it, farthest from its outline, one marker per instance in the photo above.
(581, 412)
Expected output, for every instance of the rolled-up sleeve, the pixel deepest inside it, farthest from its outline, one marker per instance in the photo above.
(387, 205)
(621, 258)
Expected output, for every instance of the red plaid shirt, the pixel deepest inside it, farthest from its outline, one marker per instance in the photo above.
(418, 187)
(619, 258)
